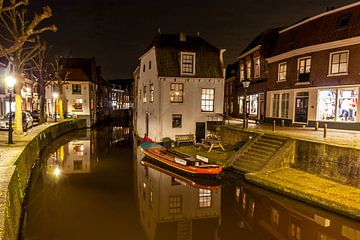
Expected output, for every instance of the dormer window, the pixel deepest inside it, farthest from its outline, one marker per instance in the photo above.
(187, 60)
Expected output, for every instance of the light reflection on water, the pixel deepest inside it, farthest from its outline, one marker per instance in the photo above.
(105, 190)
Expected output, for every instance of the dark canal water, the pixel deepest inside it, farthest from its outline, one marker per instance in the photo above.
(93, 185)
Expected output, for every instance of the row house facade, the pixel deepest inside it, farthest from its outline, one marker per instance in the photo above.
(251, 66)
(314, 73)
(180, 87)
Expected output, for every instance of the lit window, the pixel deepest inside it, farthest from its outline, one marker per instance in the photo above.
(339, 62)
(347, 104)
(151, 92)
(176, 92)
(78, 150)
(175, 204)
(144, 94)
(257, 67)
(248, 69)
(282, 71)
(295, 232)
(77, 105)
(76, 88)
(242, 72)
(188, 63)
(207, 99)
(326, 105)
(304, 66)
(275, 216)
(176, 120)
(241, 104)
(204, 198)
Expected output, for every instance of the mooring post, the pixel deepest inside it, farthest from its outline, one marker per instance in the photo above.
(282, 122)
(316, 126)
(325, 129)
(274, 124)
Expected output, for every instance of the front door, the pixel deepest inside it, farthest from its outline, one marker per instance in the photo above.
(301, 107)
(200, 131)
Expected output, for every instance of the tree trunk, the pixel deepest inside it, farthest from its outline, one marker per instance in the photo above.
(42, 109)
(61, 109)
(18, 127)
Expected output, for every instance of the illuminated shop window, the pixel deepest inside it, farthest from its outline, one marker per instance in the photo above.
(207, 99)
(327, 105)
(347, 105)
(204, 198)
(253, 104)
(241, 104)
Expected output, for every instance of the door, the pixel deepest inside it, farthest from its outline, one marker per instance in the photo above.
(301, 107)
(147, 124)
(200, 131)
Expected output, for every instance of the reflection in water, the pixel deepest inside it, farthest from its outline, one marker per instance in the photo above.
(92, 185)
(175, 207)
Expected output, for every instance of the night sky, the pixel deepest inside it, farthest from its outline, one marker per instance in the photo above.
(116, 32)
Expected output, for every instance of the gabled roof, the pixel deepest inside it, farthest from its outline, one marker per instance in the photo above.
(169, 46)
(322, 28)
(81, 69)
(266, 40)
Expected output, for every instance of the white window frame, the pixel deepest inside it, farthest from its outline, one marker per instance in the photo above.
(204, 102)
(298, 64)
(280, 116)
(257, 72)
(193, 65)
(330, 63)
(279, 65)
(248, 69)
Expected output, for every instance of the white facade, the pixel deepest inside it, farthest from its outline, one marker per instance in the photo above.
(155, 111)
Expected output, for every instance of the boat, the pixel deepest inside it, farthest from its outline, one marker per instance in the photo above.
(184, 179)
(178, 161)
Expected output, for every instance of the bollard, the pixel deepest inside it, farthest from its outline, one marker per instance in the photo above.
(283, 123)
(316, 126)
(325, 129)
(274, 124)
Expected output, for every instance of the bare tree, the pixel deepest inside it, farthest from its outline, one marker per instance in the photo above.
(20, 34)
(16, 30)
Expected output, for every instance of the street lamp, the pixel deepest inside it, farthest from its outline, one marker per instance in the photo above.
(10, 83)
(55, 96)
(245, 84)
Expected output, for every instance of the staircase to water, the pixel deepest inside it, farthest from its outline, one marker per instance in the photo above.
(255, 156)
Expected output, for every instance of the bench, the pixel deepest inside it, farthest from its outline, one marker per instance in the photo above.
(185, 138)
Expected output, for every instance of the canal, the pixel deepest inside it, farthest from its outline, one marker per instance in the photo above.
(92, 184)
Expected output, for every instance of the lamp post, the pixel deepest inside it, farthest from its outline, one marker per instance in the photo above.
(10, 83)
(55, 96)
(246, 84)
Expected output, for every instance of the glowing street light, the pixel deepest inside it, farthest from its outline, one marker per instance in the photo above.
(55, 96)
(57, 171)
(10, 83)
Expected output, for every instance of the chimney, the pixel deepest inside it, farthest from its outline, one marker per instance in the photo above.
(221, 56)
(182, 37)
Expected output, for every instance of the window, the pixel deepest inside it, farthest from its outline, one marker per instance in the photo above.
(204, 198)
(188, 63)
(76, 88)
(176, 92)
(347, 104)
(207, 99)
(176, 120)
(242, 72)
(275, 216)
(257, 67)
(282, 71)
(241, 104)
(78, 150)
(304, 66)
(248, 69)
(253, 104)
(144, 94)
(184, 230)
(343, 21)
(175, 204)
(326, 105)
(149, 64)
(339, 63)
(144, 68)
(77, 105)
(78, 165)
(285, 105)
(151, 92)
(275, 105)
(295, 232)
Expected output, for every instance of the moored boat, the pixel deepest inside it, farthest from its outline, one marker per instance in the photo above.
(178, 161)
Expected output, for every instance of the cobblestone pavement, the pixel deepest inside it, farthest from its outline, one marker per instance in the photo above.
(346, 138)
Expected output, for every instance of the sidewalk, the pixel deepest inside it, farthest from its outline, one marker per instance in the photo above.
(345, 138)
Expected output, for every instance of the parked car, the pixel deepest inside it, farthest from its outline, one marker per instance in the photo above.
(27, 120)
(35, 115)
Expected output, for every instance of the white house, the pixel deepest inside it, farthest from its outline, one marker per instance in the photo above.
(180, 87)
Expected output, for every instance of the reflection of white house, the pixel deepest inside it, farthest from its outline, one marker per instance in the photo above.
(169, 209)
(180, 87)
(74, 157)
(79, 92)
